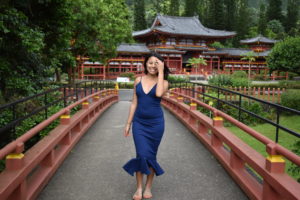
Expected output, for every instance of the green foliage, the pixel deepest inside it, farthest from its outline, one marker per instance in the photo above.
(274, 11)
(243, 20)
(217, 14)
(126, 85)
(190, 7)
(220, 80)
(130, 75)
(177, 79)
(277, 28)
(240, 82)
(139, 15)
(266, 85)
(230, 14)
(246, 118)
(295, 169)
(292, 15)
(217, 45)
(262, 22)
(285, 55)
(195, 62)
(289, 84)
(239, 74)
(174, 8)
(291, 99)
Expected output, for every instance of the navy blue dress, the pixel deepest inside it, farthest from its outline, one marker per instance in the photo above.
(147, 129)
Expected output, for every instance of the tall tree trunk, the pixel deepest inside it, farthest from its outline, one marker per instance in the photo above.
(58, 75)
(70, 76)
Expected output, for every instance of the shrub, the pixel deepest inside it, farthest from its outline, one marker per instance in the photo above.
(266, 85)
(176, 79)
(290, 84)
(291, 99)
(295, 169)
(239, 74)
(259, 77)
(220, 80)
(130, 75)
(126, 85)
(240, 82)
(246, 118)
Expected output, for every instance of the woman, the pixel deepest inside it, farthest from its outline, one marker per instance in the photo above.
(148, 123)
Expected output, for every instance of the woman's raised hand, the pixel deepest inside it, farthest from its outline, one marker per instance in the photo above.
(160, 65)
(127, 130)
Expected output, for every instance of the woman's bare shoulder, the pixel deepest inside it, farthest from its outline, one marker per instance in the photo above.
(137, 80)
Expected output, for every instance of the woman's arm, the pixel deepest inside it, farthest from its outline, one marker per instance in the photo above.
(162, 85)
(132, 109)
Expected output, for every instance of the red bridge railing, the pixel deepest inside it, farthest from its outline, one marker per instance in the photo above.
(26, 173)
(235, 155)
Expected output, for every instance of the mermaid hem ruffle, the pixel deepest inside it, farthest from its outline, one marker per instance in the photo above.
(142, 164)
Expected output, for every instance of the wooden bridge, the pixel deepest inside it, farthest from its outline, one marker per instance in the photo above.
(201, 157)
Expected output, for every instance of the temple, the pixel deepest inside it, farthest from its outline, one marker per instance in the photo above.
(178, 39)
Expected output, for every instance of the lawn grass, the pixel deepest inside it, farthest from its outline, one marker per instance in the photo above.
(285, 139)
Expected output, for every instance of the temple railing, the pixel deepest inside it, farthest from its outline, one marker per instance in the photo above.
(259, 177)
(27, 172)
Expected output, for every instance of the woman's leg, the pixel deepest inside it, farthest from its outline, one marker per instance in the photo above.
(139, 186)
(148, 186)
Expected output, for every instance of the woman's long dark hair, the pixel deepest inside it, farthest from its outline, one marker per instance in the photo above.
(156, 55)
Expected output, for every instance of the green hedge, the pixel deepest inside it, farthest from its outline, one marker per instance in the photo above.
(290, 84)
(130, 75)
(176, 79)
(291, 99)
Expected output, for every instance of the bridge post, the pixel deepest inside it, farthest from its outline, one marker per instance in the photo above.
(85, 105)
(217, 122)
(96, 98)
(15, 161)
(65, 118)
(274, 162)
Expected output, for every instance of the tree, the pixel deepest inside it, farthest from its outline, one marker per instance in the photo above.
(216, 14)
(191, 7)
(230, 13)
(196, 62)
(99, 27)
(174, 8)
(285, 55)
(292, 15)
(274, 11)
(203, 12)
(243, 22)
(277, 28)
(34, 36)
(139, 15)
(250, 57)
(262, 21)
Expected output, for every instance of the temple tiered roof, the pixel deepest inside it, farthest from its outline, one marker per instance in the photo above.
(187, 26)
(133, 48)
(235, 52)
(258, 39)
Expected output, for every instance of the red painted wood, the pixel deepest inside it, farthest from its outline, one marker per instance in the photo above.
(42, 160)
(275, 186)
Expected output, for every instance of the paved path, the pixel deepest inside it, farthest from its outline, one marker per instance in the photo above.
(93, 170)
